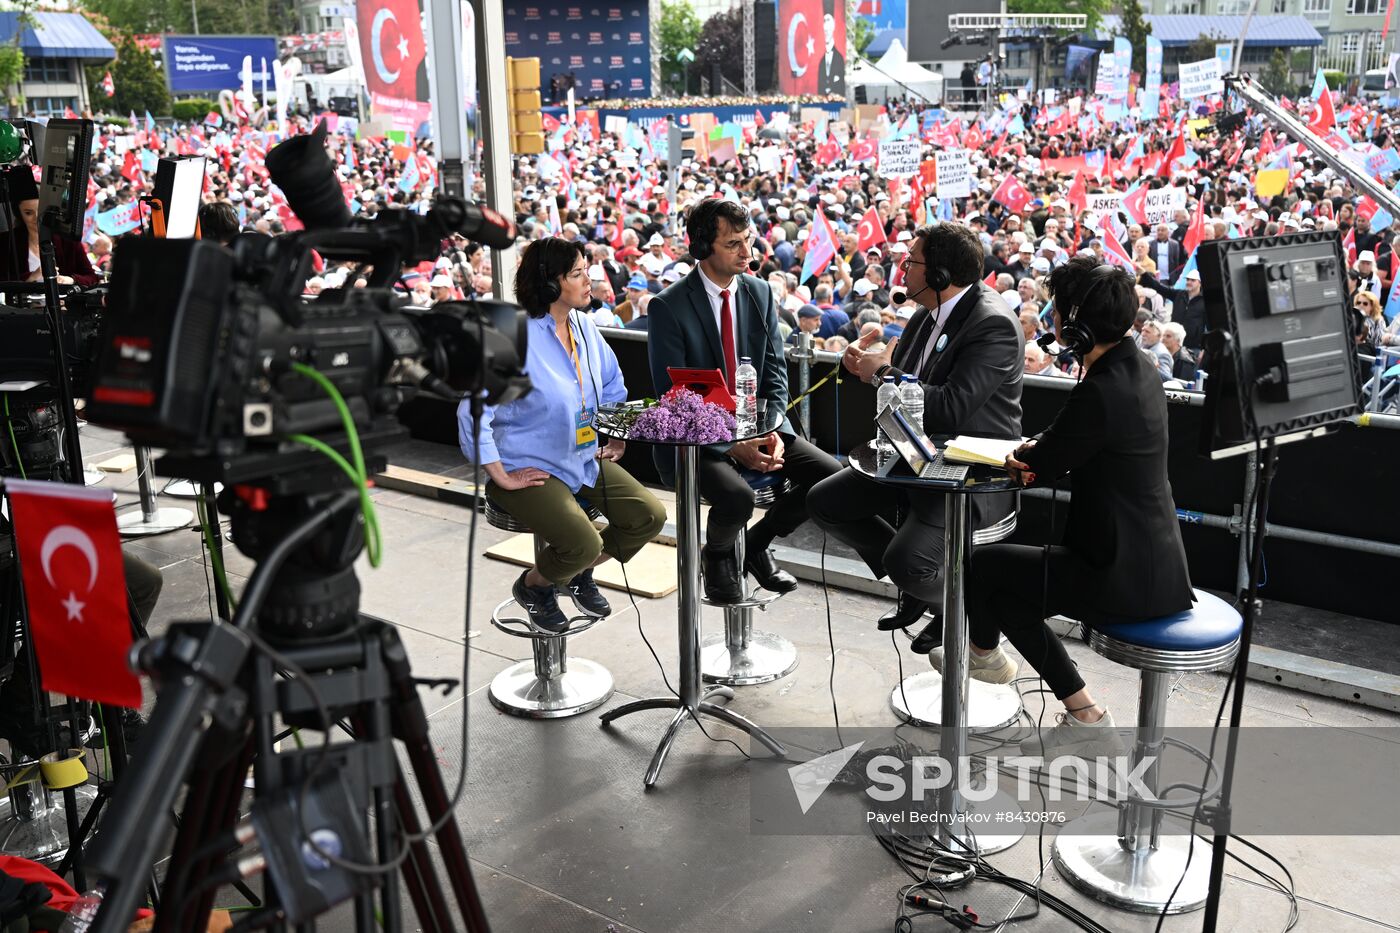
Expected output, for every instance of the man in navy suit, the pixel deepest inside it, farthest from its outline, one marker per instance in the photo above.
(708, 320)
(967, 352)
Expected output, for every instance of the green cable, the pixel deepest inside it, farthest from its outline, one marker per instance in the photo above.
(372, 538)
(14, 444)
(215, 560)
(357, 473)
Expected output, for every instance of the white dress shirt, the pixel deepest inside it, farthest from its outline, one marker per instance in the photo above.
(716, 304)
(943, 312)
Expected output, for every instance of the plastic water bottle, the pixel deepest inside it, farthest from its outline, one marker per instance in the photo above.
(885, 396)
(911, 400)
(1200, 384)
(83, 912)
(746, 387)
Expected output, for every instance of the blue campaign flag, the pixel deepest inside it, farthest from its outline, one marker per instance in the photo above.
(214, 63)
(1017, 126)
(149, 161)
(150, 122)
(1180, 283)
(1392, 303)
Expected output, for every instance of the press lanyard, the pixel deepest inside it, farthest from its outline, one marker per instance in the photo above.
(584, 434)
(578, 369)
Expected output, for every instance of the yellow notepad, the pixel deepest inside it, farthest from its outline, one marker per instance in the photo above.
(985, 450)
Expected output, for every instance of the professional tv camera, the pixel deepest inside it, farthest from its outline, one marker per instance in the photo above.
(213, 354)
(199, 340)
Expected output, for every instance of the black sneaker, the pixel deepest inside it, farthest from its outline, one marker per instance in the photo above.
(584, 592)
(541, 605)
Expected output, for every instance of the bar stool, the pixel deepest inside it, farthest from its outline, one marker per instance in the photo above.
(742, 656)
(1119, 857)
(552, 685)
(989, 706)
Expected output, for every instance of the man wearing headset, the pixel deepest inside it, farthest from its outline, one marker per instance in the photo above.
(710, 319)
(1111, 437)
(967, 353)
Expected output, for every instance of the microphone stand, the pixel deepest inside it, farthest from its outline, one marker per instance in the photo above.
(48, 266)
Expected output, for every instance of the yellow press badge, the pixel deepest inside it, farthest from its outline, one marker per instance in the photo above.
(584, 435)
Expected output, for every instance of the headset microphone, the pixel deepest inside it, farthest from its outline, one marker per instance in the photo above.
(1045, 341)
(754, 264)
(900, 296)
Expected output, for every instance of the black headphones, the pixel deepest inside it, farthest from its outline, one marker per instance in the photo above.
(701, 229)
(936, 277)
(1078, 336)
(549, 289)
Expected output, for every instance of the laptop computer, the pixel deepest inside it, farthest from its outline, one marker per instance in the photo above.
(914, 449)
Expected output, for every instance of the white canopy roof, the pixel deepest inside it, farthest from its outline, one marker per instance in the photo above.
(894, 71)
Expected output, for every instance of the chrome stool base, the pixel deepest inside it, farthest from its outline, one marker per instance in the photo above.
(1089, 856)
(989, 706)
(134, 524)
(766, 657)
(520, 691)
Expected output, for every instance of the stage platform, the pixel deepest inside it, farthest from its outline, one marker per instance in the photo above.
(564, 838)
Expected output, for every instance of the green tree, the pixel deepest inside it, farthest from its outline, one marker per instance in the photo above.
(1202, 47)
(721, 43)
(12, 58)
(227, 17)
(859, 32)
(1275, 76)
(127, 17)
(1133, 27)
(1093, 10)
(138, 82)
(679, 32)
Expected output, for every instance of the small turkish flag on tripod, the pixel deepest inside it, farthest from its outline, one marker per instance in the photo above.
(71, 559)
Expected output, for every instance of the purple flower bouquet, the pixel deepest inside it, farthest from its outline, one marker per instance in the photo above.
(681, 417)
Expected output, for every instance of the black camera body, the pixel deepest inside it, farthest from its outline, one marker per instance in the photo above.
(199, 340)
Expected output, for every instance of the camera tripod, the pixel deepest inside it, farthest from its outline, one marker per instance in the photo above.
(219, 703)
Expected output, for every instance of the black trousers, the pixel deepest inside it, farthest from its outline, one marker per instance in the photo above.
(1014, 588)
(732, 500)
(863, 514)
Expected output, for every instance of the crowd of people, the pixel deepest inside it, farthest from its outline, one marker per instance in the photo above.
(832, 230)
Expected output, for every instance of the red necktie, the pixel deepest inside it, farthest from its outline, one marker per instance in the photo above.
(726, 338)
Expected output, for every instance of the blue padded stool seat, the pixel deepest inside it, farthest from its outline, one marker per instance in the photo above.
(766, 486)
(1201, 638)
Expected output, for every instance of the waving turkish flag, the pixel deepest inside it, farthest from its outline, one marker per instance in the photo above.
(1078, 195)
(1324, 116)
(870, 232)
(391, 43)
(71, 560)
(828, 152)
(864, 150)
(1196, 232)
(1013, 194)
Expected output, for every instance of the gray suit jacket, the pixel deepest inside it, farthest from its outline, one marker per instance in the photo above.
(683, 334)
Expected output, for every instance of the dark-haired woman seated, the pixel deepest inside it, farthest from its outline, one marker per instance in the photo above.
(19, 248)
(1122, 557)
(542, 451)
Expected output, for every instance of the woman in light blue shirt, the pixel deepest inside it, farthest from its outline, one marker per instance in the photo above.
(542, 453)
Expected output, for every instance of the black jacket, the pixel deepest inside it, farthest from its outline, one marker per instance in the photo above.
(1189, 312)
(682, 333)
(972, 382)
(1111, 437)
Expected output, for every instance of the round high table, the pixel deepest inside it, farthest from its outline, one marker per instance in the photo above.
(690, 703)
(996, 705)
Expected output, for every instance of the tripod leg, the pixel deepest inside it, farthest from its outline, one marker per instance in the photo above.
(411, 728)
(75, 838)
(418, 873)
(380, 727)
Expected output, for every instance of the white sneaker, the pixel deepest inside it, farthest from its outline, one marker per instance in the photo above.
(1074, 737)
(994, 668)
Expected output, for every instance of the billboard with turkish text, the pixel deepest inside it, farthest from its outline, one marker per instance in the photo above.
(195, 64)
(812, 46)
(606, 46)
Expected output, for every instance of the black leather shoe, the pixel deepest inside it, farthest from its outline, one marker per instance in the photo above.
(541, 605)
(907, 611)
(764, 567)
(584, 592)
(929, 638)
(722, 581)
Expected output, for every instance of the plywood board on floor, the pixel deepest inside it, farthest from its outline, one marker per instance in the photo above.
(651, 572)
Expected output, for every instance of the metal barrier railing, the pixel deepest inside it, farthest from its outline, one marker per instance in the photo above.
(1380, 395)
(805, 357)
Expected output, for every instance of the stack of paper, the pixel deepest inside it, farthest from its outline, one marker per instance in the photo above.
(984, 450)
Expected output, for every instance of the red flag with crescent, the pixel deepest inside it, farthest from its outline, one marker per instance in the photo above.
(805, 66)
(870, 232)
(391, 42)
(75, 588)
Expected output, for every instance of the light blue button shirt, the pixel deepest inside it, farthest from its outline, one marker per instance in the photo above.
(539, 429)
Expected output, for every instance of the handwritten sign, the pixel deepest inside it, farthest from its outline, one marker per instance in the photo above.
(954, 173)
(900, 157)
